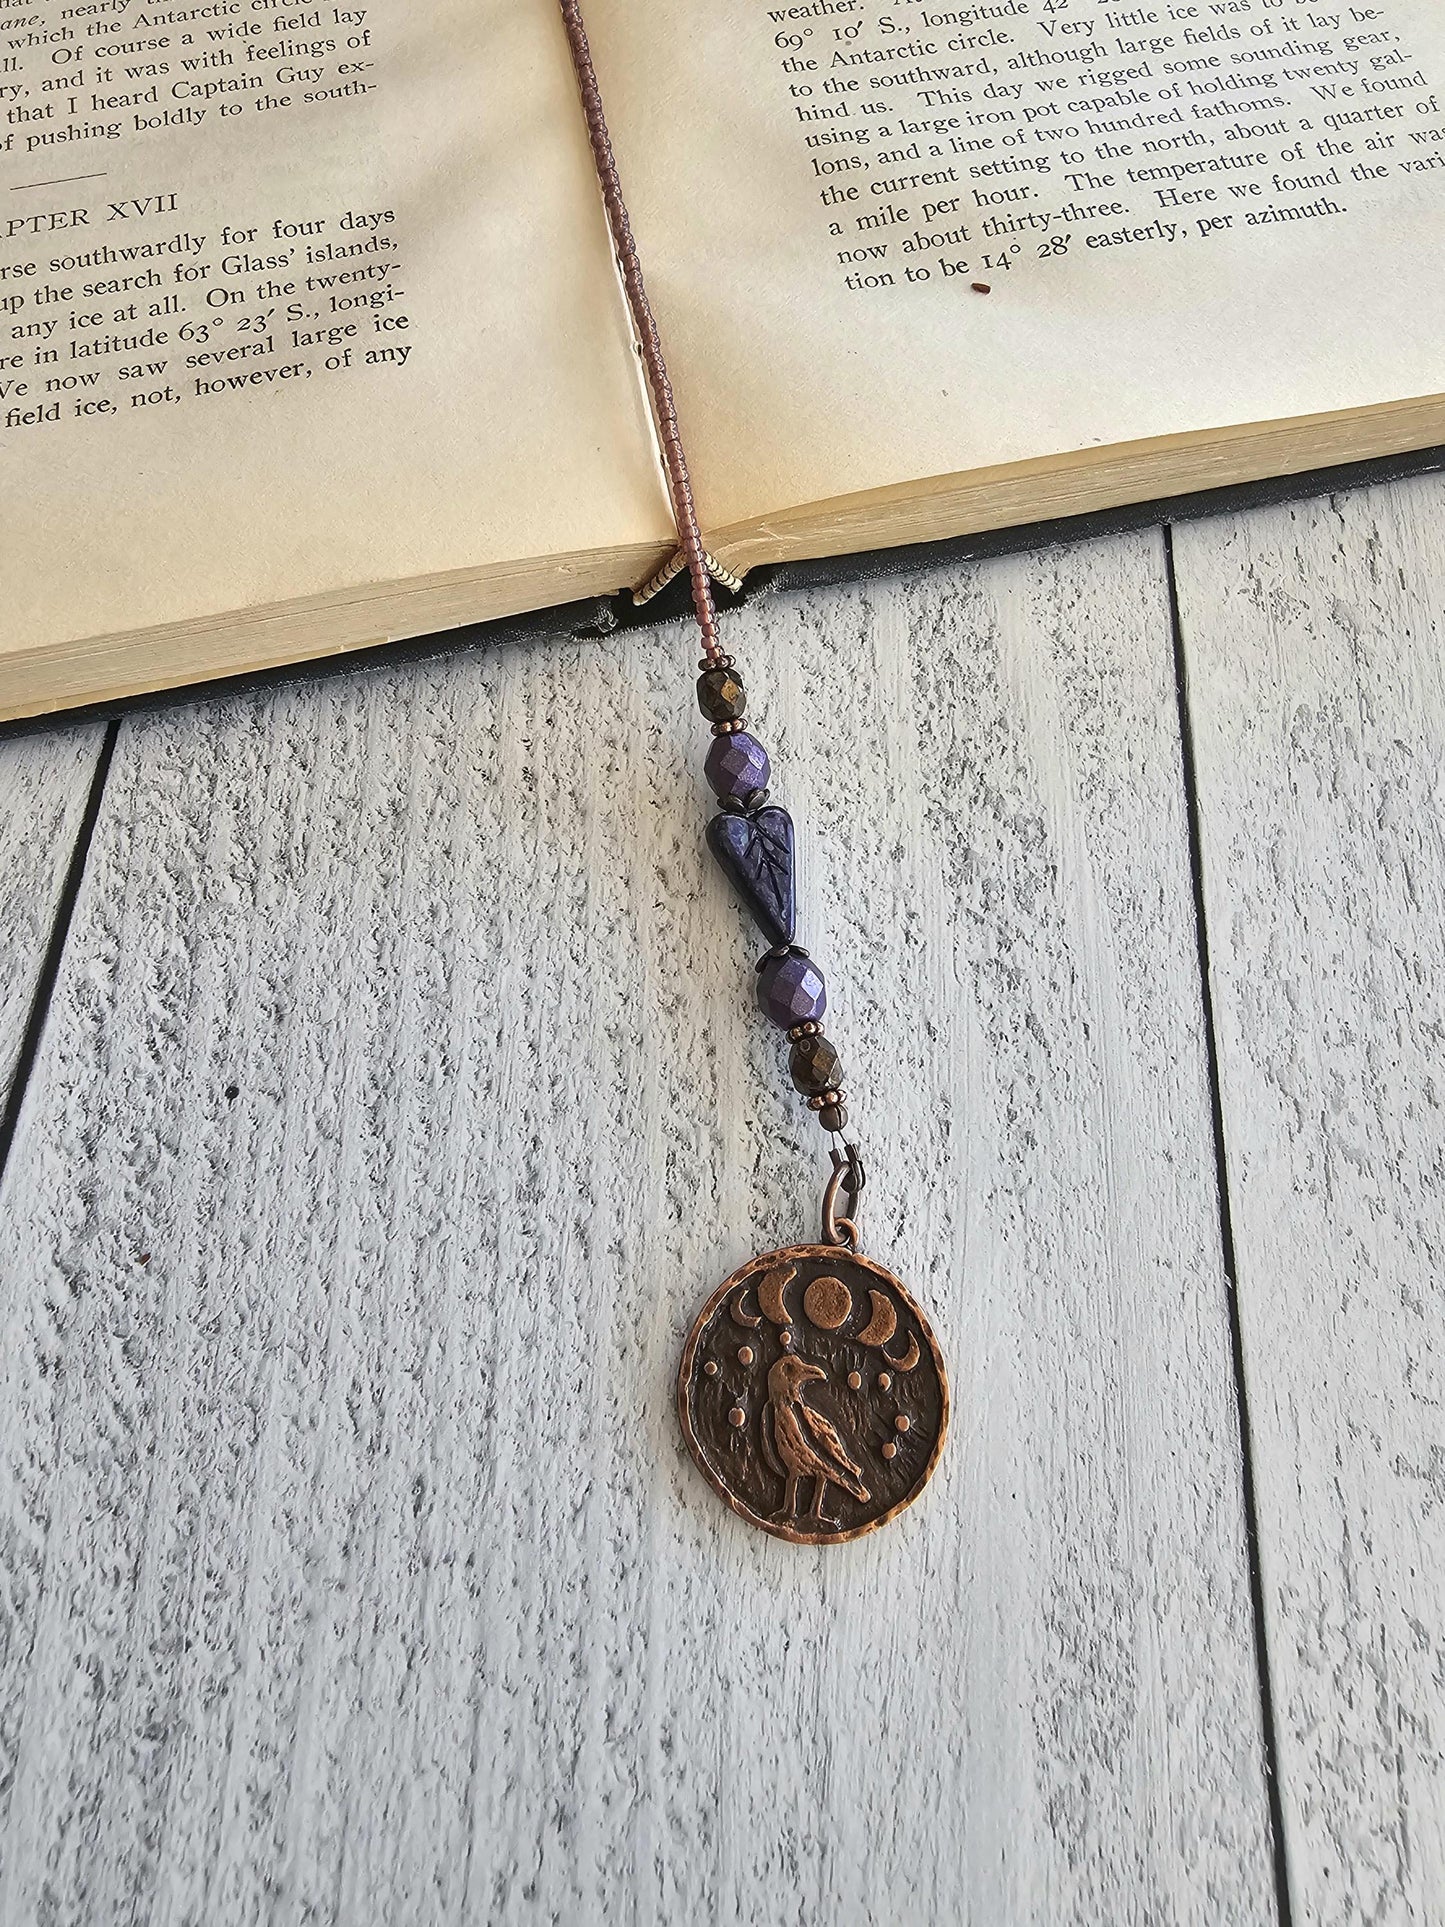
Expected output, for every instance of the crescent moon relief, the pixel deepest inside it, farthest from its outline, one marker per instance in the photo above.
(909, 1359)
(747, 1319)
(771, 1287)
(884, 1322)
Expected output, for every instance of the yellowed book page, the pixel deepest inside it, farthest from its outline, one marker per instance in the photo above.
(1186, 215)
(295, 301)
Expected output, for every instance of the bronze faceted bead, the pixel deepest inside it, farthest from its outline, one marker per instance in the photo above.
(720, 695)
(815, 1065)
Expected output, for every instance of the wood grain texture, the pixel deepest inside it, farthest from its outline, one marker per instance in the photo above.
(1318, 695)
(402, 1104)
(44, 786)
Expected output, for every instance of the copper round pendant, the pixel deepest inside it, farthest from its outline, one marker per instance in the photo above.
(812, 1394)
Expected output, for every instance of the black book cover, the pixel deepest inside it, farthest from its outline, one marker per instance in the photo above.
(600, 616)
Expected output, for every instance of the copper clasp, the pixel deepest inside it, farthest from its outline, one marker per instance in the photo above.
(848, 1177)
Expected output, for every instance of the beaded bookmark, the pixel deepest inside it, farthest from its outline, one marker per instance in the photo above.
(811, 1392)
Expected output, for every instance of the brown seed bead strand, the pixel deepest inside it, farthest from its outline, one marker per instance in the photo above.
(737, 766)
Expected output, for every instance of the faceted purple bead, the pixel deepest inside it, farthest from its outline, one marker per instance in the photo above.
(791, 990)
(737, 764)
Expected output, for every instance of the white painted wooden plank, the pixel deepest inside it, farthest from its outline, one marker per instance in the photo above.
(45, 783)
(1313, 637)
(402, 1103)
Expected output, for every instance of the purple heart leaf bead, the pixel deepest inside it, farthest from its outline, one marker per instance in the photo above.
(756, 855)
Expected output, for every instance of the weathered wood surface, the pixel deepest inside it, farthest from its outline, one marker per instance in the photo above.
(1317, 684)
(45, 783)
(399, 1104)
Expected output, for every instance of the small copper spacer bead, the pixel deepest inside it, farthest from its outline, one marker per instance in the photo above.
(811, 1029)
(726, 729)
(817, 1103)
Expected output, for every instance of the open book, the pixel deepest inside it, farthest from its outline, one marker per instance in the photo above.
(311, 336)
